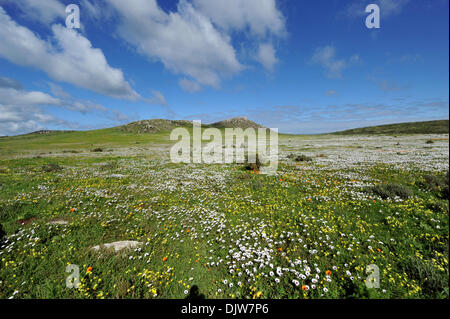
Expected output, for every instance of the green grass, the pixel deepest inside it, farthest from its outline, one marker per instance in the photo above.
(75, 141)
(196, 221)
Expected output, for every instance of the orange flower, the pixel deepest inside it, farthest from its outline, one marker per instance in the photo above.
(304, 287)
(310, 200)
(328, 272)
(72, 210)
(89, 269)
(187, 230)
(280, 249)
(374, 200)
(378, 249)
(165, 258)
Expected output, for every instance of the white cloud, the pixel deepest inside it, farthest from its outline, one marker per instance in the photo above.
(20, 110)
(261, 17)
(23, 111)
(266, 56)
(44, 11)
(195, 40)
(326, 57)
(184, 41)
(10, 96)
(69, 57)
(189, 85)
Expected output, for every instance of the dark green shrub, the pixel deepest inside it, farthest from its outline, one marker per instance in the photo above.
(438, 184)
(390, 191)
(98, 149)
(51, 167)
(429, 142)
(300, 158)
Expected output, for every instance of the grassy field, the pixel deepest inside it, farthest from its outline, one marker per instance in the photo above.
(336, 205)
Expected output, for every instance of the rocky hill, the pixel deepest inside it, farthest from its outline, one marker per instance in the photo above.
(237, 122)
(153, 126)
(160, 125)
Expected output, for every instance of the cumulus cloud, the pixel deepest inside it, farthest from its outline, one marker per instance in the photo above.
(326, 57)
(266, 56)
(195, 40)
(20, 111)
(69, 57)
(260, 17)
(24, 111)
(10, 96)
(185, 41)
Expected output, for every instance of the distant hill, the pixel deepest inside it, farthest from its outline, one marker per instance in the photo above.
(44, 132)
(237, 122)
(153, 126)
(160, 125)
(428, 127)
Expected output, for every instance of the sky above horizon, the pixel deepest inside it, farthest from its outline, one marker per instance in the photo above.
(300, 66)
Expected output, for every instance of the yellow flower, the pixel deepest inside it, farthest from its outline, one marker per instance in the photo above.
(257, 295)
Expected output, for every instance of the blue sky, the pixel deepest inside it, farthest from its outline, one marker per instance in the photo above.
(299, 66)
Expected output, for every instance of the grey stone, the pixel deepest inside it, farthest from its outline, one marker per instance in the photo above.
(118, 245)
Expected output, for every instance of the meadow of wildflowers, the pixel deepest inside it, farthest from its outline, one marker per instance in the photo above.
(310, 231)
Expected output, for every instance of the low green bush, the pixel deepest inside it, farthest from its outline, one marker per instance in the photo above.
(300, 158)
(437, 184)
(51, 167)
(390, 191)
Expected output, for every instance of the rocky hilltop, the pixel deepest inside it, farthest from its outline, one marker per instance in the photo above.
(160, 125)
(237, 122)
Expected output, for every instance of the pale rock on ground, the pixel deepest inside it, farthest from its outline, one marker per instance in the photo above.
(118, 245)
(58, 222)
